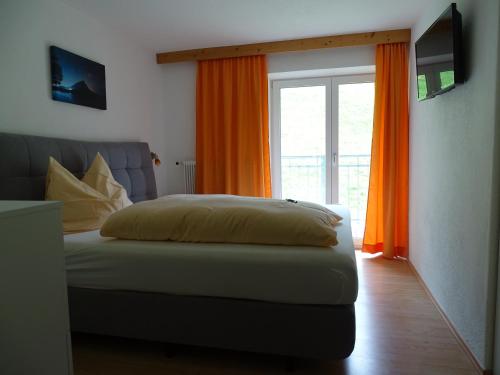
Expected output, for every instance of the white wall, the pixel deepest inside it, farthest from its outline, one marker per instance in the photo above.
(179, 81)
(180, 93)
(453, 198)
(496, 181)
(321, 59)
(133, 80)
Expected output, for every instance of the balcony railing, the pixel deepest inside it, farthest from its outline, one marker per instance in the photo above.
(304, 178)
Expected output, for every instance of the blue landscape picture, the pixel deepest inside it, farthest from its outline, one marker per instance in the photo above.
(76, 79)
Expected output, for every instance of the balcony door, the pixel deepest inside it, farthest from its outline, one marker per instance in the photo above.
(321, 141)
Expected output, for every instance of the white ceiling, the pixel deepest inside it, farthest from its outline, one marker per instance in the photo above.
(168, 25)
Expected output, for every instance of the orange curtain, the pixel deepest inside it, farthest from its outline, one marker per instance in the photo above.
(387, 211)
(232, 131)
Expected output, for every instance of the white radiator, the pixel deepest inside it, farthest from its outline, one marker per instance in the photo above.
(189, 175)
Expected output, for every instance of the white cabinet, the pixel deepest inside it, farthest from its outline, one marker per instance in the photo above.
(34, 320)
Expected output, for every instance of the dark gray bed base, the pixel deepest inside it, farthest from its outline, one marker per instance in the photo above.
(294, 330)
(308, 331)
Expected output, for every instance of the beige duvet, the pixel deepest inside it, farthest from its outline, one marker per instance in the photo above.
(224, 218)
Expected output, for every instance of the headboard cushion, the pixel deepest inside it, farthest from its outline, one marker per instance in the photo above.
(24, 161)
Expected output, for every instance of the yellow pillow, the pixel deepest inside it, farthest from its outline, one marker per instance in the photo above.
(100, 178)
(85, 208)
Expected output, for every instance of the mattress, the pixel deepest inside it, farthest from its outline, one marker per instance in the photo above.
(272, 273)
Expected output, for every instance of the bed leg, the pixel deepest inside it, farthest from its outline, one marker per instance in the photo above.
(170, 350)
(290, 364)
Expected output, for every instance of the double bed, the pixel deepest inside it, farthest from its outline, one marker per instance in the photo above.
(286, 300)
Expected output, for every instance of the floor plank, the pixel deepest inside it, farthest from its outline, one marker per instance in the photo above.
(399, 331)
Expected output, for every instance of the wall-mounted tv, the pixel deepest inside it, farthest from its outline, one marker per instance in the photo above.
(439, 55)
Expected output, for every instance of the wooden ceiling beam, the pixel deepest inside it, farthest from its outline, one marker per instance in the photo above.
(333, 41)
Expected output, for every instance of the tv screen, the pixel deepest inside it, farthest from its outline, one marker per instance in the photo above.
(439, 55)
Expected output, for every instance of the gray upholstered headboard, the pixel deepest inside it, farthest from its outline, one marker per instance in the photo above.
(24, 160)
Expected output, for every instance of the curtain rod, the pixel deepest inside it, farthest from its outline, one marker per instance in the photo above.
(333, 41)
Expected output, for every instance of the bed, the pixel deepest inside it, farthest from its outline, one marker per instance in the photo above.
(283, 300)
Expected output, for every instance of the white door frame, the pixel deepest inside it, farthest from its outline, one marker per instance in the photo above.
(331, 84)
(275, 133)
(336, 82)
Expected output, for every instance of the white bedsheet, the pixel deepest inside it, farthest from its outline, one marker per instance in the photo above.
(298, 275)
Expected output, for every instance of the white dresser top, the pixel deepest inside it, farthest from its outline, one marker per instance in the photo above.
(14, 208)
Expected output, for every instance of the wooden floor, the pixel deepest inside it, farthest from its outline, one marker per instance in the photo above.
(399, 331)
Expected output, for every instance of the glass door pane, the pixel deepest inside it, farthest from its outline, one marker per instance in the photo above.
(355, 114)
(303, 118)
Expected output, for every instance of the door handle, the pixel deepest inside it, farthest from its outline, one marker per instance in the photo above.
(334, 159)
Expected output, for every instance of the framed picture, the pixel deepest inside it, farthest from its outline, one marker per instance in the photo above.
(77, 80)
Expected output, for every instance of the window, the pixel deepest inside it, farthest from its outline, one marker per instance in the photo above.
(321, 141)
